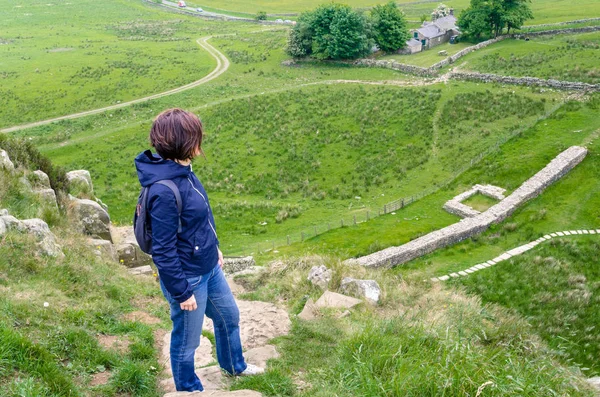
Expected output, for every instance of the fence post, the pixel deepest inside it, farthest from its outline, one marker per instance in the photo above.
(342, 222)
(328, 226)
(385, 209)
(354, 220)
(315, 230)
(367, 215)
(402, 204)
(288, 239)
(302, 236)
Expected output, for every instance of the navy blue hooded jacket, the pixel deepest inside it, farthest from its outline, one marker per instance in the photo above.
(193, 252)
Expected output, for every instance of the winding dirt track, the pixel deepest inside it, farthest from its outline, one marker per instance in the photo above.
(222, 66)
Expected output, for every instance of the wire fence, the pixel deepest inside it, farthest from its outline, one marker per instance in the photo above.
(357, 218)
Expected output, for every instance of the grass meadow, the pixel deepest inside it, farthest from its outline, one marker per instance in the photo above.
(545, 11)
(101, 53)
(560, 57)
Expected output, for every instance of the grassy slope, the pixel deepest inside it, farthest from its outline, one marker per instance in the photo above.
(263, 152)
(558, 208)
(562, 57)
(545, 11)
(417, 341)
(557, 288)
(110, 51)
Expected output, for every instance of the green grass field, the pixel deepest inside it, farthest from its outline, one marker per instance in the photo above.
(562, 57)
(110, 52)
(545, 11)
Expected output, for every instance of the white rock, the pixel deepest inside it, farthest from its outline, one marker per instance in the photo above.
(41, 179)
(80, 179)
(5, 161)
(320, 276)
(92, 219)
(368, 289)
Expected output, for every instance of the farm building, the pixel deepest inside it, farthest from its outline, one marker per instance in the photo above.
(412, 46)
(437, 32)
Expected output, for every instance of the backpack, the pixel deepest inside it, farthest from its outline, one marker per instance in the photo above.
(142, 227)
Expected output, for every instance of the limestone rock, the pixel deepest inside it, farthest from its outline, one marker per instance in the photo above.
(309, 312)
(40, 179)
(46, 240)
(2, 227)
(141, 270)
(368, 289)
(11, 222)
(250, 270)
(320, 276)
(80, 180)
(104, 249)
(260, 355)
(131, 255)
(3, 212)
(237, 264)
(337, 301)
(216, 393)
(595, 381)
(259, 322)
(48, 198)
(92, 219)
(5, 161)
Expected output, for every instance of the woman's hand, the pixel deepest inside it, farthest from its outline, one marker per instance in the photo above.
(221, 260)
(189, 304)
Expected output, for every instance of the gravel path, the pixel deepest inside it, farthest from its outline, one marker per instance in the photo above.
(222, 66)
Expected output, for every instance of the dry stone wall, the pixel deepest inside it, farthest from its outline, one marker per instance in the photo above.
(527, 81)
(373, 63)
(468, 227)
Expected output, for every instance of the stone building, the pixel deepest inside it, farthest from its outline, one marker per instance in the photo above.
(437, 32)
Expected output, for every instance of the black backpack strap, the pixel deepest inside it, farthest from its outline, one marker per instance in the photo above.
(171, 185)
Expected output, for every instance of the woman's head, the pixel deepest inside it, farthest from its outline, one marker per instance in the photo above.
(177, 135)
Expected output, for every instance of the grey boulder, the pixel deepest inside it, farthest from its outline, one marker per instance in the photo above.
(320, 276)
(91, 218)
(80, 180)
(367, 289)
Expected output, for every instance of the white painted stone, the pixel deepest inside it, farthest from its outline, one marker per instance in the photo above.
(444, 278)
(469, 271)
(592, 231)
(585, 232)
(567, 233)
(435, 279)
(453, 275)
(547, 237)
(560, 234)
(479, 267)
(553, 234)
(462, 273)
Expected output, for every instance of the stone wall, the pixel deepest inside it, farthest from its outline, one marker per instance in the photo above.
(528, 81)
(585, 29)
(373, 63)
(543, 25)
(469, 227)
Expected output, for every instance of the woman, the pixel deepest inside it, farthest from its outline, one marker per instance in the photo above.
(186, 251)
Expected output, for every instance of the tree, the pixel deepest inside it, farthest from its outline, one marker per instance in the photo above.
(389, 27)
(442, 10)
(332, 31)
(261, 16)
(490, 17)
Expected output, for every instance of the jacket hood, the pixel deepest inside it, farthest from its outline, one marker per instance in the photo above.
(152, 168)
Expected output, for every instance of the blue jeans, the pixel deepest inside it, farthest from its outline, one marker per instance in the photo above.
(214, 298)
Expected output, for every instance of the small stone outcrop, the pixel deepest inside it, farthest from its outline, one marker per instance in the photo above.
(367, 289)
(41, 186)
(46, 241)
(5, 161)
(320, 276)
(131, 255)
(91, 218)
(595, 382)
(238, 264)
(80, 181)
(103, 249)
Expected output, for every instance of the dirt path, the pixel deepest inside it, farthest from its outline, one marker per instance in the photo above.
(222, 66)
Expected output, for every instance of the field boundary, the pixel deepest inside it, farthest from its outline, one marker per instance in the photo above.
(222, 66)
(433, 70)
(514, 252)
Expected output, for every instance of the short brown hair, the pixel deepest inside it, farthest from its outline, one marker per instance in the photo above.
(176, 134)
